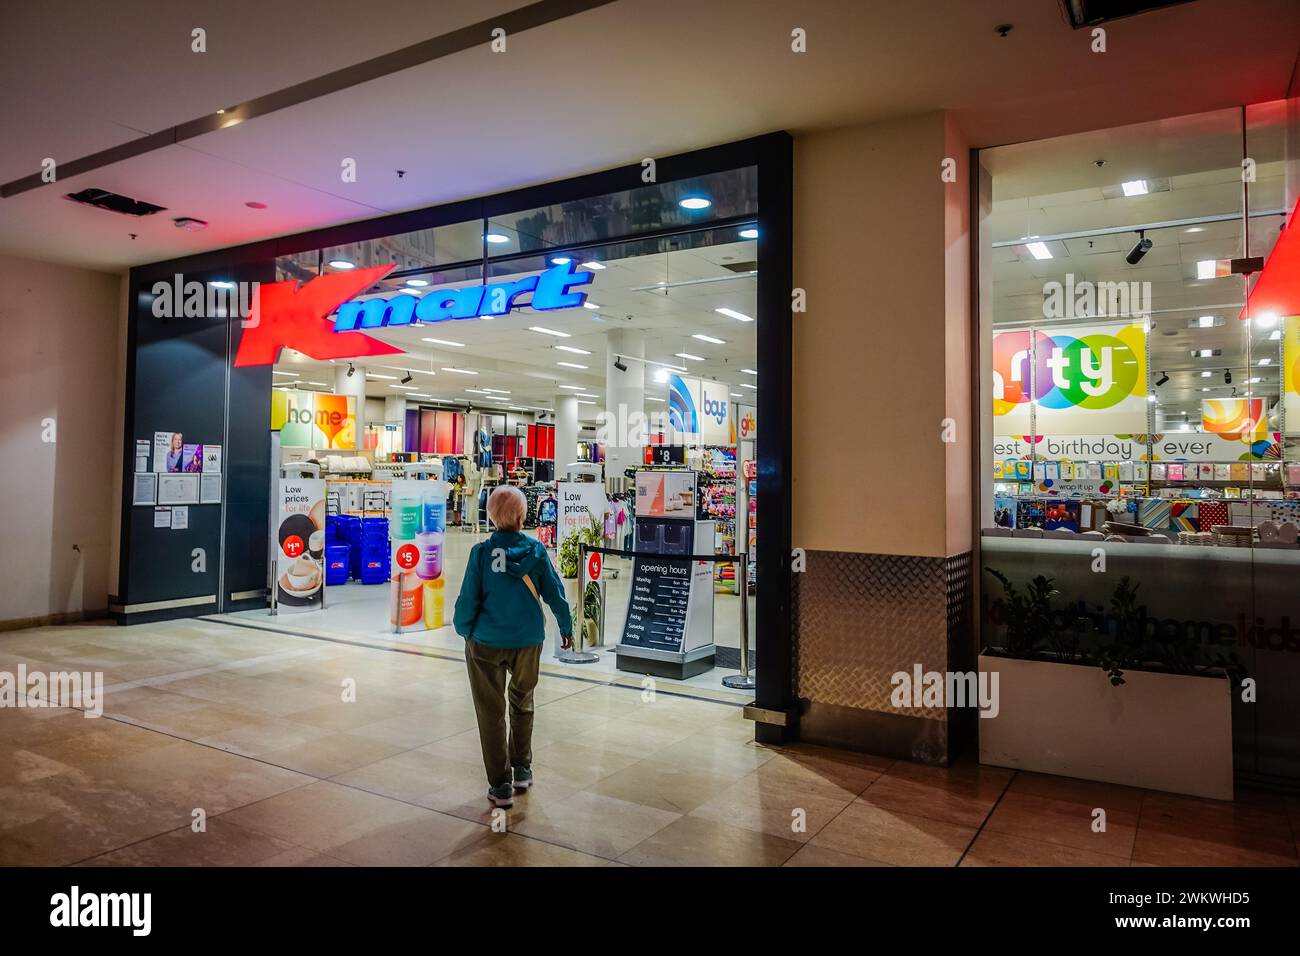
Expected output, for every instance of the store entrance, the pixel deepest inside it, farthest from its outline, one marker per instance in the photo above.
(627, 419)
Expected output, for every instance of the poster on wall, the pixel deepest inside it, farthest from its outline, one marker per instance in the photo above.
(579, 502)
(300, 534)
(168, 451)
(717, 424)
(1082, 379)
(683, 406)
(418, 529)
(211, 459)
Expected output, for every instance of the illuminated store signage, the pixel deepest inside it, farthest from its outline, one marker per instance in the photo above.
(550, 290)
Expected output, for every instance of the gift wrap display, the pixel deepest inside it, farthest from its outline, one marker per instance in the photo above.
(419, 524)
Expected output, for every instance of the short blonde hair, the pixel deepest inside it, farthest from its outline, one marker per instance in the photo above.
(506, 508)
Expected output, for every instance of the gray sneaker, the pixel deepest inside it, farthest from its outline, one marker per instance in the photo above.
(523, 778)
(502, 796)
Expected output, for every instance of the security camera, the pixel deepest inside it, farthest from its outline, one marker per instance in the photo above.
(1138, 251)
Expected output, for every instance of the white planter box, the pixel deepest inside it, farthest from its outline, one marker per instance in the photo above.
(1158, 731)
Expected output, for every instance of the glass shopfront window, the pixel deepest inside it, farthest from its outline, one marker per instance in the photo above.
(1137, 451)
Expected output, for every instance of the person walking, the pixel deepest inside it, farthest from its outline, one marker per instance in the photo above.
(499, 614)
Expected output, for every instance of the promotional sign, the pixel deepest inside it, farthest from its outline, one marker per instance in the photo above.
(717, 426)
(580, 502)
(1291, 373)
(1168, 446)
(1234, 418)
(658, 603)
(665, 493)
(417, 531)
(168, 452)
(1081, 379)
(314, 420)
(746, 422)
(683, 406)
(300, 534)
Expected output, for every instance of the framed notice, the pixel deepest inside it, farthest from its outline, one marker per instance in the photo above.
(141, 455)
(178, 489)
(210, 489)
(145, 489)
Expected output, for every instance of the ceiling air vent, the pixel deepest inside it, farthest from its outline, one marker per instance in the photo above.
(1089, 13)
(751, 266)
(103, 199)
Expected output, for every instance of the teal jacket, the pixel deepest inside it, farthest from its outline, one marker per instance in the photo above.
(495, 606)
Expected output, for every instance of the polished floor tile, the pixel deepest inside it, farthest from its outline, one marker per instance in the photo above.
(251, 727)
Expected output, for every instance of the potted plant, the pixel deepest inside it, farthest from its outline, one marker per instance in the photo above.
(1125, 701)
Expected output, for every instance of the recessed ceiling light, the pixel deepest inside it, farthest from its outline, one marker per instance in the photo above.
(477, 391)
(752, 388)
(495, 238)
(1275, 335)
(749, 371)
(750, 233)
(574, 349)
(321, 384)
(585, 395)
(461, 371)
(278, 372)
(497, 391)
(689, 356)
(571, 365)
(221, 284)
(1206, 321)
(694, 202)
(708, 338)
(1265, 319)
(737, 395)
(1253, 381)
(592, 264)
(377, 375)
(1206, 353)
(545, 331)
(1196, 229)
(560, 260)
(1266, 361)
(420, 395)
(580, 402)
(341, 264)
(1137, 187)
(576, 388)
(590, 305)
(1206, 268)
(1205, 390)
(733, 314)
(455, 345)
(1038, 250)
(406, 387)
(652, 398)
(1206, 374)
(417, 283)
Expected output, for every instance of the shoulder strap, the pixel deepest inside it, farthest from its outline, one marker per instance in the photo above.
(533, 587)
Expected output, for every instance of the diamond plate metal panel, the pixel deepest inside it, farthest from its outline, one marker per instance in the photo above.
(860, 618)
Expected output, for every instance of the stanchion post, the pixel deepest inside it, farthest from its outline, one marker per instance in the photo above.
(576, 655)
(742, 681)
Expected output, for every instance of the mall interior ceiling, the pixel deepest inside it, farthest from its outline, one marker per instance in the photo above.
(190, 142)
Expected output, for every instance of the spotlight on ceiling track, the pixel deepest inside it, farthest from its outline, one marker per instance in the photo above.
(1164, 377)
(1141, 249)
(619, 363)
(1227, 376)
(406, 379)
(351, 370)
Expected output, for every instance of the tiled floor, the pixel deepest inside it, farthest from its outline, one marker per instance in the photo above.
(248, 731)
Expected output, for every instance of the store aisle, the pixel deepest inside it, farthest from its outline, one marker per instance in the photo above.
(249, 727)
